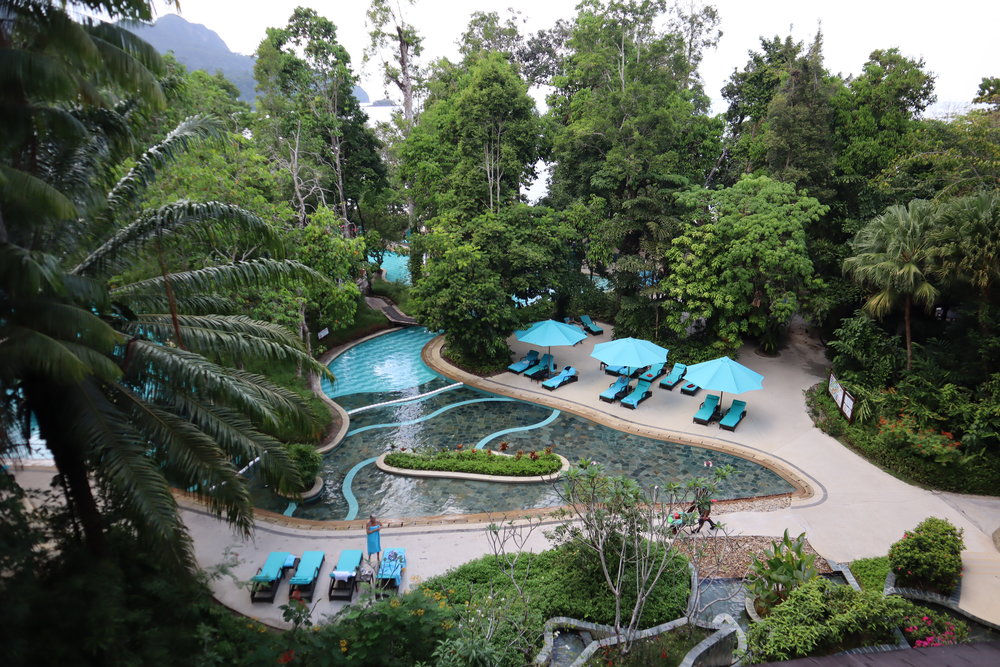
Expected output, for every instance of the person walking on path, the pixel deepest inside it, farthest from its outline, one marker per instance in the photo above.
(374, 540)
(704, 506)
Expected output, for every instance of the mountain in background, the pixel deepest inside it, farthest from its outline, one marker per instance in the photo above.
(197, 47)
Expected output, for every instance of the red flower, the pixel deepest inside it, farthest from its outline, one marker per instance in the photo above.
(286, 657)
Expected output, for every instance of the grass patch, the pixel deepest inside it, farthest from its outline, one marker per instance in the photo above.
(871, 572)
(474, 366)
(398, 293)
(479, 461)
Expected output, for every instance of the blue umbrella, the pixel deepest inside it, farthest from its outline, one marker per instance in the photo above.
(722, 375)
(630, 352)
(549, 333)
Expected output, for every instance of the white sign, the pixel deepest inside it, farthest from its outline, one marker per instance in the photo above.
(323, 334)
(836, 391)
(843, 398)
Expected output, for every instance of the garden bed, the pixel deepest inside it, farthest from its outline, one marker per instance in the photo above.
(478, 462)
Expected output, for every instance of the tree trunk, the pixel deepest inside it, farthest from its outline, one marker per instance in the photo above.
(909, 339)
(171, 298)
(47, 403)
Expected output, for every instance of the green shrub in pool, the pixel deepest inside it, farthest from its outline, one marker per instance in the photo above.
(307, 461)
(930, 556)
(479, 461)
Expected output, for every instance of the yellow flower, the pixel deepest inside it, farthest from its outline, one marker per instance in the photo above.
(343, 646)
(417, 612)
(394, 603)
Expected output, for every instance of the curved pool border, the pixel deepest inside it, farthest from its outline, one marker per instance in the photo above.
(804, 488)
(431, 355)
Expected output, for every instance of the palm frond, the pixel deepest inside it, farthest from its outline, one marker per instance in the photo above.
(24, 351)
(35, 75)
(206, 221)
(193, 304)
(27, 273)
(65, 322)
(253, 275)
(122, 68)
(30, 193)
(190, 130)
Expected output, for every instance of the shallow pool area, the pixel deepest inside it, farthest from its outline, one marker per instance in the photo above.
(428, 410)
(396, 267)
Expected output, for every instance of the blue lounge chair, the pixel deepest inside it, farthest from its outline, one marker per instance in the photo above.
(391, 569)
(654, 371)
(590, 327)
(616, 390)
(565, 376)
(625, 370)
(737, 411)
(709, 410)
(264, 584)
(526, 362)
(305, 577)
(676, 373)
(344, 578)
(690, 388)
(542, 369)
(640, 394)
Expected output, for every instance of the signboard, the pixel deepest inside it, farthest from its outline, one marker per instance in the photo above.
(323, 334)
(843, 398)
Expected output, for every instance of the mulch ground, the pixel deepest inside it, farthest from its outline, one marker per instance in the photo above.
(718, 556)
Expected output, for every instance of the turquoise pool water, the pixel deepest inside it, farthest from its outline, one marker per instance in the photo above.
(431, 411)
(397, 268)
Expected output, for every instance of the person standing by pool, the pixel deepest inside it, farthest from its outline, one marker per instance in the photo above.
(374, 540)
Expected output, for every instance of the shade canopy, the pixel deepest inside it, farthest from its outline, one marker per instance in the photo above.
(631, 352)
(725, 375)
(550, 332)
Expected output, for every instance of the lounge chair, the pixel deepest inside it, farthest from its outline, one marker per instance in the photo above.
(305, 577)
(526, 362)
(565, 376)
(630, 371)
(542, 369)
(672, 380)
(590, 327)
(264, 584)
(640, 394)
(391, 569)
(690, 388)
(344, 578)
(653, 372)
(709, 410)
(737, 411)
(616, 390)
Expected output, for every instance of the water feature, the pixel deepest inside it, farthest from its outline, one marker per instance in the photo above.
(397, 267)
(431, 412)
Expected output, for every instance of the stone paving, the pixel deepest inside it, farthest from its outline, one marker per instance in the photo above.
(848, 507)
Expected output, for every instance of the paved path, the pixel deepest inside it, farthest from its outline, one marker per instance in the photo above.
(393, 314)
(854, 509)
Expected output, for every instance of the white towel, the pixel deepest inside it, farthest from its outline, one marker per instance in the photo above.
(341, 575)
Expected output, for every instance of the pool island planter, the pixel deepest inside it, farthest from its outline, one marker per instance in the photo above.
(309, 495)
(443, 474)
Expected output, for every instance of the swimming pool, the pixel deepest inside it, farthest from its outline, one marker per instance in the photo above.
(397, 267)
(435, 412)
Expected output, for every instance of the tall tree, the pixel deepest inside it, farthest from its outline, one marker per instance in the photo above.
(309, 118)
(390, 31)
(895, 254)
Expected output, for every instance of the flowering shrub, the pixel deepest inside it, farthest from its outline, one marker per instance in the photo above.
(904, 432)
(930, 628)
(929, 556)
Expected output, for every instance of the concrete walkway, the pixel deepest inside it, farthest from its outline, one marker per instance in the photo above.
(849, 508)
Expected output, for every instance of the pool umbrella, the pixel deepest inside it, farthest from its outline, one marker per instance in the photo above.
(722, 375)
(549, 333)
(630, 352)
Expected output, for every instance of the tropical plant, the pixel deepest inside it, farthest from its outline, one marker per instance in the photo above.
(929, 556)
(895, 254)
(784, 567)
(306, 460)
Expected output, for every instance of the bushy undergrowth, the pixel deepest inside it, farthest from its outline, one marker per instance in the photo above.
(979, 474)
(479, 461)
(930, 556)
(558, 582)
(820, 618)
(870, 572)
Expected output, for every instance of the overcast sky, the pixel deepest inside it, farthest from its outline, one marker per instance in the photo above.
(956, 39)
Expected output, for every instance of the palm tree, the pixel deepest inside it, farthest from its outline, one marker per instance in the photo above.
(895, 254)
(127, 381)
(970, 239)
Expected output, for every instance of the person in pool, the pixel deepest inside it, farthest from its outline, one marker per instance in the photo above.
(374, 540)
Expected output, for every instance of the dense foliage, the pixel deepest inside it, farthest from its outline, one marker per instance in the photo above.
(782, 568)
(929, 556)
(479, 461)
(870, 572)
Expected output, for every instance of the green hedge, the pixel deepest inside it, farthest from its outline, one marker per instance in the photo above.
(870, 572)
(479, 461)
(930, 556)
(978, 476)
(560, 582)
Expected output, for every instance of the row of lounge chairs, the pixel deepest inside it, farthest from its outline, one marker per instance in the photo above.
(711, 410)
(343, 579)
